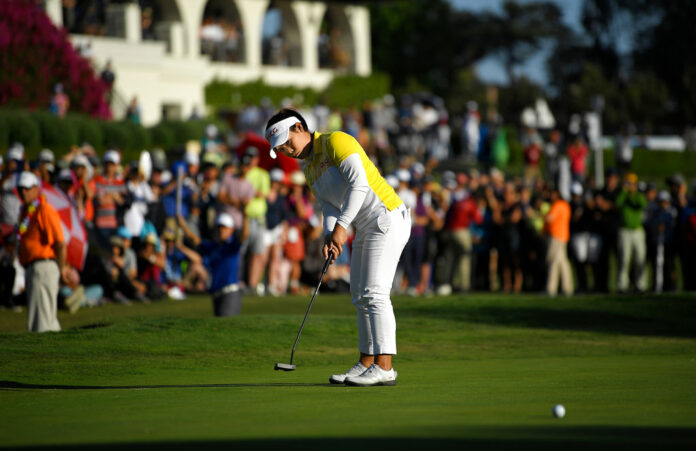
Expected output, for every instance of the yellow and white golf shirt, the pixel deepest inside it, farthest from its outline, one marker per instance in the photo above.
(346, 183)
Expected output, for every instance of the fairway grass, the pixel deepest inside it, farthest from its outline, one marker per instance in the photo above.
(475, 371)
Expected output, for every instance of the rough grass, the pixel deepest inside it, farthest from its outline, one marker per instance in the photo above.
(475, 371)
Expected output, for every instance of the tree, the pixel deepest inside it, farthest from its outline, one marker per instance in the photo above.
(35, 55)
(426, 40)
(520, 31)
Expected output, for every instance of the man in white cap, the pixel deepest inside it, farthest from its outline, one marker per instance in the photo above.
(109, 196)
(352, 192)
(45, 165)
(10, 203)
(42, 251)
(222, 257)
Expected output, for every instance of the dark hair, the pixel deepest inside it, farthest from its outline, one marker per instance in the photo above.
(284, 114)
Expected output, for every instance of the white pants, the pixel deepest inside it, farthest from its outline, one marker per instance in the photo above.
(376, 251)
(42, 296)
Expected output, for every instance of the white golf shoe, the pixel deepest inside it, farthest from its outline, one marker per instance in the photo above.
(374, 375)
(357, 370)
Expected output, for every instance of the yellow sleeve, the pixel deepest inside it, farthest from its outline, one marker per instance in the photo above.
(341, 146)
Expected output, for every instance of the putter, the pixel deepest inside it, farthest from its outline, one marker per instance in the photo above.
(290, 366)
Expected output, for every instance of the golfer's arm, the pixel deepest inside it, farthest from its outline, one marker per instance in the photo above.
(330, 215)
(353, 172)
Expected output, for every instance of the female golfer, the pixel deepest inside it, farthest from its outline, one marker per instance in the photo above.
(351, 191)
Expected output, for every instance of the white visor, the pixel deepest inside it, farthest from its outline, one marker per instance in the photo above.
(278, 133)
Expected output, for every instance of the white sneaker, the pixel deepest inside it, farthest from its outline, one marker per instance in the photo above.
(374, 375)
(357, 370)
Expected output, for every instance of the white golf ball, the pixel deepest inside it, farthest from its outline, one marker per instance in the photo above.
(558, 411)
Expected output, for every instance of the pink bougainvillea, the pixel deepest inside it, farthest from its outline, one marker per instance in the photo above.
(35, 55)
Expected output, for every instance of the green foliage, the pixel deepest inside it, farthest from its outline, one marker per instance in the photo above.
(163, 135)
(23, 129)
(656, 165)
(344, 91)
(221, 94)
(88, 131)
(36, 130)
(354, 90)
(56, 133)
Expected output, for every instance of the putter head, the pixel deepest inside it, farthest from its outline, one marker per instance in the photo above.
(284, 367)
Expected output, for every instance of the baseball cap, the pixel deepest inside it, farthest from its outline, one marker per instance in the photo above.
(80, 160)
(297, 178)
(576, 188)
(111, 156)
(225, 220)
(278, 133)
(192, 158)
(16, 152)
(45, 156)
(663, 196)
(403, 175)
(277, 175)
(27, 180)
(65, 175)
(123, 232)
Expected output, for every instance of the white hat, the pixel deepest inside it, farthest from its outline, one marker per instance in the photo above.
(111, 156)
(46, 156)
(664, 196)
(576, 188)
(278, 133)
(211, 131)
(392, 181)
(16, 152)
(298, 178)
(27, 180)
(80, 160)
(403, 175)
(65, 175)
(277, 175)
(418, 168)
(192, 159)
(225, 220)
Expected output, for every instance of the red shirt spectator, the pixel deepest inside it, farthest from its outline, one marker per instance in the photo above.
(462, 213)
(577, 153)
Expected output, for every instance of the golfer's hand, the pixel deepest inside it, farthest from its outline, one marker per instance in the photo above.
(334, 242)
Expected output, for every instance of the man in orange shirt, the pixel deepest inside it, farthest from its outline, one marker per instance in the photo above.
(558, 228)
(42, 252)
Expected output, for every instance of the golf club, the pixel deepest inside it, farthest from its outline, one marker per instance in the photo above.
(290, 366)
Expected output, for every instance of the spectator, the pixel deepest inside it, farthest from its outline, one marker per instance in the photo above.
(660, 227)
(59, 102)
(532, 145)
(45, 165)
(133, 111)
(109, 195)
(458, 244)
(222, 258)
(558, 227)
(10, 203)
(631, 203)
(255, 211)
(42, 252)
(577, 154)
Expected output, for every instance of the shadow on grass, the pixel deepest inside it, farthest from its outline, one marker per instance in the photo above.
(11, 385)
(506, 438)
(641, 318)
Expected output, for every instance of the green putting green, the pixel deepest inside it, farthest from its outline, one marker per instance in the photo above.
(475, 371)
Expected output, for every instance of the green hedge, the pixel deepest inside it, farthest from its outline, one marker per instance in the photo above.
(37, 130)
(343, 92)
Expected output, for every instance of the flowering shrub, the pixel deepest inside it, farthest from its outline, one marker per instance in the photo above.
(35, 55)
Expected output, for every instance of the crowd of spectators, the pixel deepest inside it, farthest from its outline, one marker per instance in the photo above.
(152, 224)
